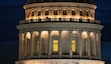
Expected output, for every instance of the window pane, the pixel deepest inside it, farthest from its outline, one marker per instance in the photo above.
(73, 12)
(37, 46)
(81, 13)
(28, 46)
(39, 13)
(64, 12)
(55, 45)
(86, 46)
(55, 12)
(46, 12)
(32, 13)
(87, 14)
(73, 45)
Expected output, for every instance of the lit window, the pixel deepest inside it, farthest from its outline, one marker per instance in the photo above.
(55, 45)
(32, 13)
(64, 12)
(73, 12)
(55, 12)
(73, 45)
(39, 13)
(81, 13)
(47, 12)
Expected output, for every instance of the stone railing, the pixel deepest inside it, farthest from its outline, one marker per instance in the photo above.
(60, 20)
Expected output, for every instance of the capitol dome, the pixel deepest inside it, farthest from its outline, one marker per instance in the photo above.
(78, 1)
(60, 32)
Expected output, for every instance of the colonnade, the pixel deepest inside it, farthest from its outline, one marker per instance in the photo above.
(87, 44)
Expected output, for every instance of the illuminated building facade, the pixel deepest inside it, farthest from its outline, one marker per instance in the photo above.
(60, 31)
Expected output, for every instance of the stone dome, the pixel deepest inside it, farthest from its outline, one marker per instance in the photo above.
(79, 1)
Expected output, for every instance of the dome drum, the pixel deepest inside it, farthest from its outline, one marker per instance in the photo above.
(60, 12)
(62, 37)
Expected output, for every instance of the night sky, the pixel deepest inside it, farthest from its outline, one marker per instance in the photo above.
(11, 12)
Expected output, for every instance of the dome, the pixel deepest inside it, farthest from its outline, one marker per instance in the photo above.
(40, 1)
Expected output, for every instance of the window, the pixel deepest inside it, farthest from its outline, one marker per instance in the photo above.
(28, 46)
(39, 13)
(73, 45)
(81, 13)
(55, 45)
(32, 13)
(73, 12)
(37, 46)
(47, 12)
(91, 14)
(64, 12)
(85, 46)
(55, 12)
(87, 14)
(28, 14)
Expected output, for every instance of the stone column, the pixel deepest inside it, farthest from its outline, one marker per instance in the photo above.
(99, 50)
(25, 45)
(60, 44)
(95, 44)
(20, 46)
(80, 43)
(31, 45)
(70, 49)
(49, 44)
(89, 45)
(40, 44)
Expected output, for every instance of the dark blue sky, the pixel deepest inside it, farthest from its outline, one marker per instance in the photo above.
(11, 12)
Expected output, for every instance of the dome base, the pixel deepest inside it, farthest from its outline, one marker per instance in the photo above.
(59, 61)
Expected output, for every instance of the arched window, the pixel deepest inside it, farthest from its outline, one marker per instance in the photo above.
(44, 42)
(92, 43)
(46, 12)
(75, 36)
(28, 43)
(85, 43)
(32, 13)
(55, 12)
(55, 41)
(73, 12)
(35, 38)
(64, 12)
(87, 13)
(39, 13)
(81, 13)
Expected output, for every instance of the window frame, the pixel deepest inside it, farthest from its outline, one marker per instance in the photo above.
(55, 12)
(64, 12)
(32, 14)
(81, 13)
(75, 45)
(39, 13)
(73, 12)
(56, 44)
(47, 12)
